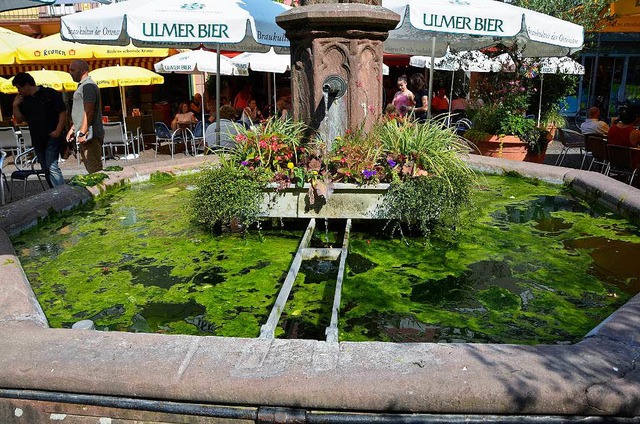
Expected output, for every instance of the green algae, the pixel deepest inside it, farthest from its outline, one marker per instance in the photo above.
(136, 248)
(536, 266)
(527, 271)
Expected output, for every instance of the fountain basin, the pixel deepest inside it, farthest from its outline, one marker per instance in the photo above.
(595, 377)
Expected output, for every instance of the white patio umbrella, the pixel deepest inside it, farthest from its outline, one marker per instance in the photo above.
(475, 24)
(468, 61)
(265, 62)
(22, 4)
(556, 65)
(196, 61)
(238, 25)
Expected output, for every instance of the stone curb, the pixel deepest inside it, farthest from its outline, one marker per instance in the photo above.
(597, 376)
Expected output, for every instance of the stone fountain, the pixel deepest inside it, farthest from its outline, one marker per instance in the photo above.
(336, 63)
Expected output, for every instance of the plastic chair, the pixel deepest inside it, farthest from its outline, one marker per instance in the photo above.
(9, 141)
(115, 137)
(3, 178)
(163, 135)
(197, 138)
(134, 123)
(25, 164)
(596, 145)
(27, 143)
(570, 140)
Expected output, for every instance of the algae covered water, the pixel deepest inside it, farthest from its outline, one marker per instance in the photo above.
(534, 265)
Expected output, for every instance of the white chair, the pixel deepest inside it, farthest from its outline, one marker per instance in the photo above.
(9, 141)
(27, 142)
(114, 137)
(3, 178)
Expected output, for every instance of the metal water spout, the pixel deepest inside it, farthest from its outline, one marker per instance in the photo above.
(333, 122)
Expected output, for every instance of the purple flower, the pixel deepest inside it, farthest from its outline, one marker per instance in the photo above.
(391, 162)
(368, 173)
(244, 163)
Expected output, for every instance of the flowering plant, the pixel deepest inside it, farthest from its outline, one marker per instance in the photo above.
(273, 146)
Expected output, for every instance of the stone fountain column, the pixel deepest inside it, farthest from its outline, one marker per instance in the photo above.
(336, 63)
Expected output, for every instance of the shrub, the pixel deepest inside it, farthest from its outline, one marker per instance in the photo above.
(429, 203)
(227, 195)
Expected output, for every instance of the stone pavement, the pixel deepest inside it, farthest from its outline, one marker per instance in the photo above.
(71, 168)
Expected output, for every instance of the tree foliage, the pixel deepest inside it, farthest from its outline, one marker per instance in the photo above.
(591, 14)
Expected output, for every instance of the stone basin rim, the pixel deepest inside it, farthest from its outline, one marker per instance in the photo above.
(597, 376)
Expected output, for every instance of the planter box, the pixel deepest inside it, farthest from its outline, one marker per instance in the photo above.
(509, 147)
(346, 201)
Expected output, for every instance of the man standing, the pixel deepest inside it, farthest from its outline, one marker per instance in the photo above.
(45, 112)
(86, 114)
(593, 124)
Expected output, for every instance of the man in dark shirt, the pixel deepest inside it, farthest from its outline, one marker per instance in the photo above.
(45, 112)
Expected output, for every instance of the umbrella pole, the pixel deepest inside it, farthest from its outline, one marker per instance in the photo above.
(123, 102)
(540, 101)
(433, 58)
(275, 108)
(218, 94)
(203, 106)
(453, 75)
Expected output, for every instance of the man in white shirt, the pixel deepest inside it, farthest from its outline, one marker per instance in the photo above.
(593, 124)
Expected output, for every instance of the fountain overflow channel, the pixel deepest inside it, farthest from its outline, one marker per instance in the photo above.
(47, 371)
(308, 253)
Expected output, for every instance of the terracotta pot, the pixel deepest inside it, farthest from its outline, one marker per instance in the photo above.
(537, 157)
(506, 147)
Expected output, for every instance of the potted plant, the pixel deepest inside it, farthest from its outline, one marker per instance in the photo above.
(501, 127)
(553, 119)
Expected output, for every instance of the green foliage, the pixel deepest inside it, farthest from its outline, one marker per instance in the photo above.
(227, 194)
(161, 177)
(273, 146)
(589, 14)
(88, 180)
(113, 168)
(426, 147)
(354, 158)
(429, 203)
(508, 99)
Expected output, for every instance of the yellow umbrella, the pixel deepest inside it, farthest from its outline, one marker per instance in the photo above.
(58, 80)
(124, 76)
(106, 52)
(3, 81)
(9, 41)
(54, 48)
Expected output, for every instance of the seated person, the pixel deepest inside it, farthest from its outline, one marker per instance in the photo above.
(212, 107)
(458, 107)
(440, 104)
(593, 124)
(184, 118)
(228, 130)
(195, 105)
(624, 132)
(251, 114)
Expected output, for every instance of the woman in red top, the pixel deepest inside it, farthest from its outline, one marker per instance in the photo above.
(624, 132)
